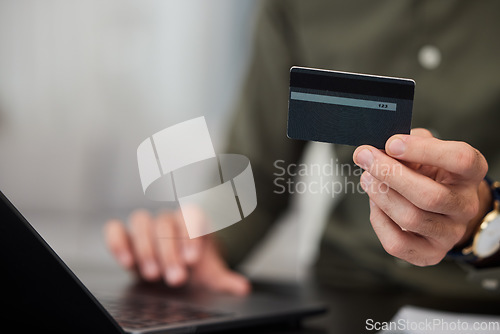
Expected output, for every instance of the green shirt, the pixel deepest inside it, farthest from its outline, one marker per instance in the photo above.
(459, 99)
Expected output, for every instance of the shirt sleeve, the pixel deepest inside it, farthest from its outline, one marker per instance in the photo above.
(258, 128)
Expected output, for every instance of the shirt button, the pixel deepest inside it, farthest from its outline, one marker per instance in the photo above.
(429, 57)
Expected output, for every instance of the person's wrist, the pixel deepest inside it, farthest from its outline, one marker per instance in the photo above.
(485, 205)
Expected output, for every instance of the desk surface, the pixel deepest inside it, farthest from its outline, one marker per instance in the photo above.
(348, 310)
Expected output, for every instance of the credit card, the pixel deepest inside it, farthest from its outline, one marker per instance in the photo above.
(348, 108)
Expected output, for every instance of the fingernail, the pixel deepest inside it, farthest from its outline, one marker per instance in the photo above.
(366, 180)
(174, 274)
(150, 269)
(397, 147)
(364, 158)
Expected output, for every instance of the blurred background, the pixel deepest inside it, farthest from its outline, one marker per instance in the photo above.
(82, 83)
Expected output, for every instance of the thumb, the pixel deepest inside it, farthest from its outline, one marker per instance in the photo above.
(230, 282)
(213, 273)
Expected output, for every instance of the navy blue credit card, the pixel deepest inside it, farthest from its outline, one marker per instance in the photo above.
(348, 108)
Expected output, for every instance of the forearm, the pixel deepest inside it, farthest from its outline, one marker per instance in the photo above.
(258, 130)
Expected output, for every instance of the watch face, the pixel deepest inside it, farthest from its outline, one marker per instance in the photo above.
(488, 241)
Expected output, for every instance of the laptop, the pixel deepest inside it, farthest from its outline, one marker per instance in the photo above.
(39, 292)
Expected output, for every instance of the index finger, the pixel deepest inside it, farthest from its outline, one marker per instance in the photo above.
(118, 242)
(456, 157)
(423, 192)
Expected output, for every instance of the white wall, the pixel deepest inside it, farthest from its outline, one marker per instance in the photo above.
(82, 83)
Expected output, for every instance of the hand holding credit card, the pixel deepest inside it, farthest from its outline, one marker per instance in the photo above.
(348, 108)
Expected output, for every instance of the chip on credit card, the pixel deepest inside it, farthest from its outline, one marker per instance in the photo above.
(348, 108)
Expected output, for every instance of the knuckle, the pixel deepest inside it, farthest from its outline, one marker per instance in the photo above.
(471, 209)
(483, 164)
(418, 221)
(433, 228)
(433, 200)
(412, 219)
(467, 158)
(395, 248)
(442, 199)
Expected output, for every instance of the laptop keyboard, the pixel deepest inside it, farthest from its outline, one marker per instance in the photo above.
(139, 313)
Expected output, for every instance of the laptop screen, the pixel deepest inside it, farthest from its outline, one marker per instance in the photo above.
(38, 290)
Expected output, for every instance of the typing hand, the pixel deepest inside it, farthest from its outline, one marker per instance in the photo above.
(158, 247)
(426, 195)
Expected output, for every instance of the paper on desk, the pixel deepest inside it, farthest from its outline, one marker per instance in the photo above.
(415, 320)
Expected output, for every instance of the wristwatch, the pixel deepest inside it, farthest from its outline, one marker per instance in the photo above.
(484, 249)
